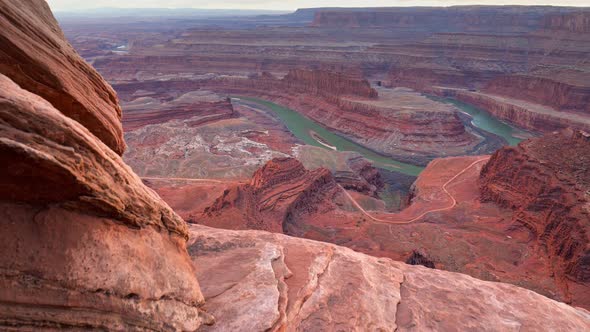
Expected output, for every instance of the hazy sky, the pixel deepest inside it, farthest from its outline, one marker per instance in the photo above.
(291, 4)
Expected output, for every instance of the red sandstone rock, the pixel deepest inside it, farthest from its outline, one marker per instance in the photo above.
(85, 245)
(84, 242)
(278, 194)
(35, 54)
(545, 182)
(564, 90)
(328, 83)
(259, 281)
(200, 110)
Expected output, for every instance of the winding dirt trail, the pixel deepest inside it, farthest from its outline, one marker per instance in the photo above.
(444, 188)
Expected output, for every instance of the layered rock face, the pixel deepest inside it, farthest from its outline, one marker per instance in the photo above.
(545, 182)
(199, 106)
(527, 115)
(259, 281)
(567, 90)
(365, 178)
(323, 82)
(456, 18)
(83, 239)
(573, 22)
(35, 54)
(279, 193)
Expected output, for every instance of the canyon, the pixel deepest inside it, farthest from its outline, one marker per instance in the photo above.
(108, 199)
(373, 77)
(534, 55)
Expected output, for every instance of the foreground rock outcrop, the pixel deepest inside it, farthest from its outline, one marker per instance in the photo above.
(257, 281)
(35, 54)
(545, 182)
(84, 242)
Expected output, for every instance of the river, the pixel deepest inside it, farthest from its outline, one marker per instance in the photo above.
(486, 121)
(305, 129)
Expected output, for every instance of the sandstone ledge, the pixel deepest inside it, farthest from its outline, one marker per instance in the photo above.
(256, 281)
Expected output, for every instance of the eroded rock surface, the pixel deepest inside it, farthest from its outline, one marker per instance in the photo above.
(545, 183)
(35, 54)
(82, 237)
(277, 195)
(322, 82)
(260, 281)
(85, 245)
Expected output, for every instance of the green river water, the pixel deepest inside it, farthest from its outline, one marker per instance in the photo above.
(486, 121)
(301, 127)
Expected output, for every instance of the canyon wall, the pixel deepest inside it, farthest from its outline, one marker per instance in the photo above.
(278, 193)
(321, 82)
(454, 18)
(573, 22)
(546, 90)
(199, 107)
(545, 182)
(534, 117)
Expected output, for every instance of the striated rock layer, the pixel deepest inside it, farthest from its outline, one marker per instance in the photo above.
(566, 90)
(257, 281)
(321, 82)
(199, 107)
(277, 195)
(85, 243)
(35, 54)
(545, 182)
(454, 18)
